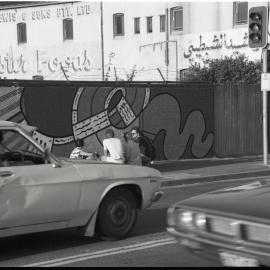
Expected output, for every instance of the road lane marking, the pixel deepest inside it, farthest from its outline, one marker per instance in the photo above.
(103, 253)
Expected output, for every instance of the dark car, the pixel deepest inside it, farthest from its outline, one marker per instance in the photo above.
(230, 226)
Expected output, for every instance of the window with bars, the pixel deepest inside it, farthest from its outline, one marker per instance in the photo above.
(149, 24)
(67, 29)
(21, 33)
(240, 13)
(137, 25)
(162, 23)
(118, 24)
(176, 18)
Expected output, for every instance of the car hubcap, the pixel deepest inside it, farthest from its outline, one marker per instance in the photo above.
(119, 213)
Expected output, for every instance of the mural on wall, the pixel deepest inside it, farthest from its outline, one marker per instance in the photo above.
(179, 125)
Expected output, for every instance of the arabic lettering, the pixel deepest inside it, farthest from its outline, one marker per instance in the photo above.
(217, 43)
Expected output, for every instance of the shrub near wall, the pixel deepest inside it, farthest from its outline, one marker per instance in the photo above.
(236, 68)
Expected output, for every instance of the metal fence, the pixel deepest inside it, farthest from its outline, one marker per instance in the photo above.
(238, 120)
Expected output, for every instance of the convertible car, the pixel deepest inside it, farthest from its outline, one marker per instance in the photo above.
(229, 226)
(40, 192)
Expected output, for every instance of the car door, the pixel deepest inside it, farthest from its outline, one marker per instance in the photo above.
(33, 193)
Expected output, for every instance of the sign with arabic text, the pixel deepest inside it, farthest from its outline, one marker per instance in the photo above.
(198, 48)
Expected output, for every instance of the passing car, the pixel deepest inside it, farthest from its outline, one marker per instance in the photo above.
(40, 192)
(230, 226)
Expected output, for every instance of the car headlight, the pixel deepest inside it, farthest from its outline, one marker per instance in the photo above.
(185, 219)
(200, 221)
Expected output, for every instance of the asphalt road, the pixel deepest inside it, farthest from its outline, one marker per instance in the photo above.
(149, 245)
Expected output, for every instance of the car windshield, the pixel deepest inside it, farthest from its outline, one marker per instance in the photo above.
(15, 149)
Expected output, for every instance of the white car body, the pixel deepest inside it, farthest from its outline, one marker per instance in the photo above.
(64, 193)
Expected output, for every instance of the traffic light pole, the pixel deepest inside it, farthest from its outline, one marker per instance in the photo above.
(265, 116)
(258, 28)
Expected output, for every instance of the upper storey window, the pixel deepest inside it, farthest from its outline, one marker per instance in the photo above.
(149, 24)
(21, 33)
(162, 23)
(240, 13)
(137, 25)
(67, 29)
(176, 19)
(118, 24)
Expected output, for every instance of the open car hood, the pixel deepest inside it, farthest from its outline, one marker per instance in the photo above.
(26, 128)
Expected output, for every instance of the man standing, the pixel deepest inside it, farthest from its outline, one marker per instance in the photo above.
(113, 149)
(147, 152)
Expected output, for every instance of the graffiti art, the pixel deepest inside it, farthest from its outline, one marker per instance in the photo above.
(178, 119)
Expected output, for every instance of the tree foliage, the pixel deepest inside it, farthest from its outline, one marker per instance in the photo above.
(235, 68)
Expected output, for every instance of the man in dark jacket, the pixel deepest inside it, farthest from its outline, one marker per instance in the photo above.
(144, 144)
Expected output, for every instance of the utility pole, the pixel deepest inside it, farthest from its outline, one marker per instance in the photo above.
(102, 40)
(265, 87)
(258, 38)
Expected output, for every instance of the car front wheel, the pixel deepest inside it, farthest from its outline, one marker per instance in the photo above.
(117, 215)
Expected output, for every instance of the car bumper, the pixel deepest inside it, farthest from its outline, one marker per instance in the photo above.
(210, 248)
(157, 196)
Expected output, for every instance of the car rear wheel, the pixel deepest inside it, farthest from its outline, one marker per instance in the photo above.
(117, 215)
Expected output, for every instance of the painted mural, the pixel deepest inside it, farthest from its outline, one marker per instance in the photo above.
(177, 118)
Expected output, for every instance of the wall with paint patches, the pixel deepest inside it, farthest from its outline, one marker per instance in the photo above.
(178, 118)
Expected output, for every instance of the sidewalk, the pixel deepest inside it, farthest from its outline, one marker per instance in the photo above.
(184, 172)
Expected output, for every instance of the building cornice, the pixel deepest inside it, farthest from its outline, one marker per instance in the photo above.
(31, 4)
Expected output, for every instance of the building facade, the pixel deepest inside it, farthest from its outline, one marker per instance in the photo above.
(139, 41)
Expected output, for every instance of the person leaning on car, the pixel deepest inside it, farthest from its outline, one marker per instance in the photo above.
(131, 151)
(78, 152)
(113, 149)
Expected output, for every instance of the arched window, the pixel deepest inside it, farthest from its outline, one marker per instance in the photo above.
(67, 29)
(21, 33)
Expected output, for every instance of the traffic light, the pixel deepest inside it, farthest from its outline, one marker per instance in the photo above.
(258, 27)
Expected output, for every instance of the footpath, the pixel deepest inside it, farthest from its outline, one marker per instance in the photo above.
(186, 172)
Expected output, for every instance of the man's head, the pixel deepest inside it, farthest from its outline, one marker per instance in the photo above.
(127, 136)
(109, 133)
(135, 133)
(79, 143)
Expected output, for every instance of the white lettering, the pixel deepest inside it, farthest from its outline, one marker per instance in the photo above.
(83, 10)
(7, 17)
(45, 63)
(40, 61)
(23, 16)
(53, 64)
(10, 64)
(64, 12)
(2, 67)
(41, 14)
(86, 62)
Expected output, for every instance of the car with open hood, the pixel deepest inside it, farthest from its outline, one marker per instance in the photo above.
(40, 192)
(230, 226)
